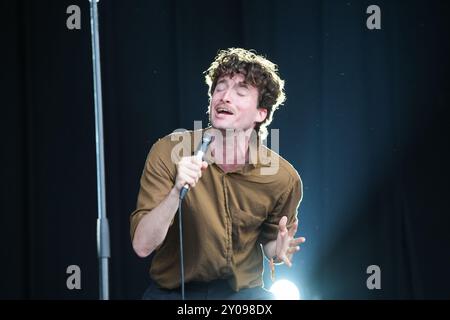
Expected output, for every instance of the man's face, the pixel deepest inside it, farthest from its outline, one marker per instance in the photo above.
(234, 104)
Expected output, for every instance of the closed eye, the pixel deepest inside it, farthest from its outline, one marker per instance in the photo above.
(221, 86)
(242, 91)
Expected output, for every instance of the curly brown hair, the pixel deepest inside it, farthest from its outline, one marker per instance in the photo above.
(258, 71)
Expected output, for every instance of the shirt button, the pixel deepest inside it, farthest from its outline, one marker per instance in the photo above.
(225, 270)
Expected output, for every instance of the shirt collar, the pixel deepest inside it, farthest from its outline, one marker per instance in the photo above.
(255, 148)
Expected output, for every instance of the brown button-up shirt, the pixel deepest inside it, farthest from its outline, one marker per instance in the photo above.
(226, 217)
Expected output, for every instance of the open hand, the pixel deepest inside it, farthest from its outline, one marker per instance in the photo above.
(287, 245)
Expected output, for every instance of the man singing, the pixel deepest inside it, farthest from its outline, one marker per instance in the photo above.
(243, 197)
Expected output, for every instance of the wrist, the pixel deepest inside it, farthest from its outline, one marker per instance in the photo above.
(270, 249)
(174, 192)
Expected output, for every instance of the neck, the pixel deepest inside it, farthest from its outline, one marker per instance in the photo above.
(234, 147)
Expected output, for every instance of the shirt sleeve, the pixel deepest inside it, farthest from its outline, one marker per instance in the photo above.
(157, 179)
(287, 205)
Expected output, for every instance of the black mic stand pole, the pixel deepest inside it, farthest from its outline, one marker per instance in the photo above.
(103, 245)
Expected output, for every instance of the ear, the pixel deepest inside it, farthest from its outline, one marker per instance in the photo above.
(262, 114)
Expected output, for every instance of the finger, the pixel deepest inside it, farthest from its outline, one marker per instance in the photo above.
(289, 256)
(189, 161)
(186, 179)
(192, 166)
(189, 168)
(204, 165)
(287, 261)
(297, 241)
(282, 224)
(196, 161)
(293, 229)
(191, 173)
(292, 250)
(284, 245)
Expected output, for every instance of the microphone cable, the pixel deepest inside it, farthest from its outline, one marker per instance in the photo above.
(199, 154)
(180, 227)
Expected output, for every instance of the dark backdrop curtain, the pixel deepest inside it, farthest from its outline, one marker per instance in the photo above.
(365, 124)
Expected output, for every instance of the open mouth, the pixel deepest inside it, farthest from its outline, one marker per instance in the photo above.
(224, 111)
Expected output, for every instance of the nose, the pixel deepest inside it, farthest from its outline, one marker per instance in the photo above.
(226, 96)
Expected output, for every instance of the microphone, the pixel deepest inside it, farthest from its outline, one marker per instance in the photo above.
(206, 140)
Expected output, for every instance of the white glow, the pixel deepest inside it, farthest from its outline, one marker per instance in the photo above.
(285, 290)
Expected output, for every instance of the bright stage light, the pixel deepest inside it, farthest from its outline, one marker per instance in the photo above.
(285, 290)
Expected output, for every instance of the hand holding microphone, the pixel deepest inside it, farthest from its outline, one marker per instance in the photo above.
(189, 169)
